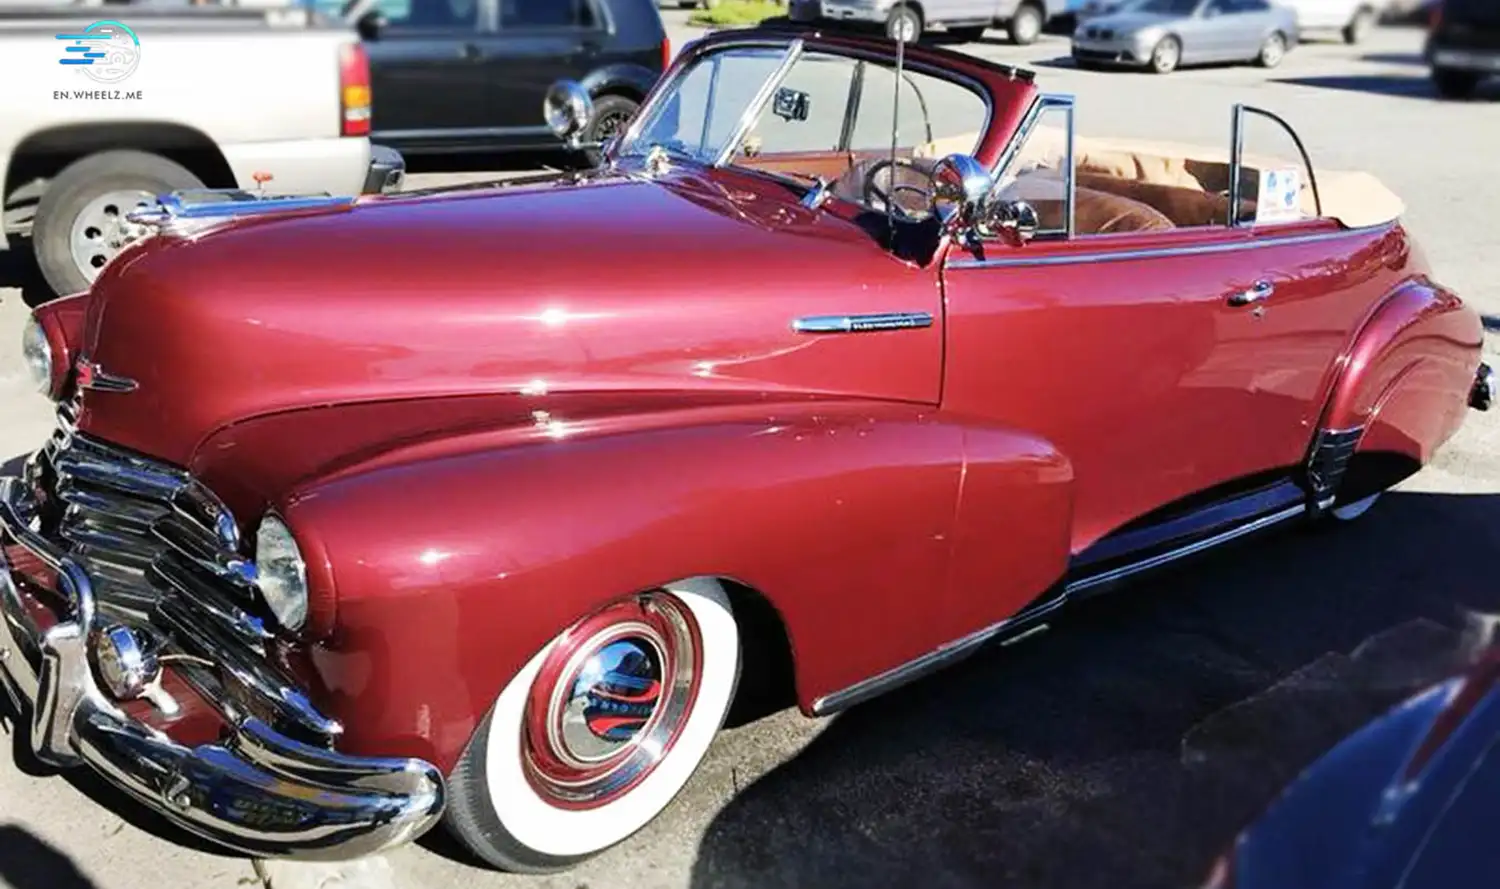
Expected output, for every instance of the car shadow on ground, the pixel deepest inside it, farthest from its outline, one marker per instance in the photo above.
(29, 862)
(1398, 86)
(1126, 747)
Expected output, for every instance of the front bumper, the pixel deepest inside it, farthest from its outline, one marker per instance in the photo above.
(1103, 52)
(256, 791)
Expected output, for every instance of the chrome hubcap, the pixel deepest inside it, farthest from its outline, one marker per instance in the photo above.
(102, 230)
(1273, 51)
(905, 30)
(1166, 57)
(610, 701)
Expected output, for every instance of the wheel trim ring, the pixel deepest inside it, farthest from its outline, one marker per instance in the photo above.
(93, 216)
(568, 782)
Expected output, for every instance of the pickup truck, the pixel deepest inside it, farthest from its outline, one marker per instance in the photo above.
(107, 108)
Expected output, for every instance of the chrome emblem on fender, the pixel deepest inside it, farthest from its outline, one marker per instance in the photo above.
(91, 376)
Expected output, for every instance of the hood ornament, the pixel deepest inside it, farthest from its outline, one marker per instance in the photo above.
(91, 376)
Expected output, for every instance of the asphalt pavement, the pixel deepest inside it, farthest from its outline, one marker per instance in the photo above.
(1121, 749)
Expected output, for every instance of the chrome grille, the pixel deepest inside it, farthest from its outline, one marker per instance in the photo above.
(163, 554)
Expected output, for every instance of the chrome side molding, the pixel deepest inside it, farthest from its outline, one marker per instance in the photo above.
(861, 323)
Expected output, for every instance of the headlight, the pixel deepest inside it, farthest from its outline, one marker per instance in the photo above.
(37, 352)
(280, 572)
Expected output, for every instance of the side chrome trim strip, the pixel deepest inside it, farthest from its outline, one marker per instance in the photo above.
(1104, 255)
(1120, 573)
(1028, 623)
(861, 323)
(1024, 625)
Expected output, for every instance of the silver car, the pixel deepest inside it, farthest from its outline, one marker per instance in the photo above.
(1162, 34)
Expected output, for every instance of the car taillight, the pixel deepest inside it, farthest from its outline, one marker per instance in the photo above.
(666, 53)
(354, 91)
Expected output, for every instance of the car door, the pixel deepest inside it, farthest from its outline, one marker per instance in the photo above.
(537, 43)
(1239, 26)
(426, 78)
(1160, 363)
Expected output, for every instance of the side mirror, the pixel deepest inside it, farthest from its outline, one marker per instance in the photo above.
(370, 24)
(961, 186)
(1017, 218)
(568, 110)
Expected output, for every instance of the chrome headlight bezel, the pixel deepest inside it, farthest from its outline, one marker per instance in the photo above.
(36, 353)
(281, 572)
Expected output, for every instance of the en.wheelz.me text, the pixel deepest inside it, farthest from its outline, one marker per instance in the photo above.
(96, 95)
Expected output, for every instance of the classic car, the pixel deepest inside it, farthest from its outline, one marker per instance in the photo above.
(1161, 35)
(1406, 801)
(481, 505)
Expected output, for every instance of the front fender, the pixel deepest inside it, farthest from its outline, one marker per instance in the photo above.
(1406, 376)
(454, 567)
(620, 77)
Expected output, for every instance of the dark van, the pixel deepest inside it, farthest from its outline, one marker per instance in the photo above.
(455, 76)
(1463, 45)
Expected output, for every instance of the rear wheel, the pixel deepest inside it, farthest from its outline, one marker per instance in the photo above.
(597, 733)
(1360, 26)
(1166, 56)
(82, 219)
(1455, 84)
(904, 24)
(1272, 50)
(611, 115)
(1026, 25)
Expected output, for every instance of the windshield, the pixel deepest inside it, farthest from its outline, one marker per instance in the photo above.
(1166, 7)
(811, 116)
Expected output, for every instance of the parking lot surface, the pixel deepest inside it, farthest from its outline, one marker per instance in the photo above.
(1123, 748)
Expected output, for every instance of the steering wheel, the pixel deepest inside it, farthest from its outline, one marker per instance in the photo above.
(878, 198)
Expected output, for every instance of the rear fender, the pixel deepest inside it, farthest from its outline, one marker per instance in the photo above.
(453, 571)
(621, 77)
(1406, 377)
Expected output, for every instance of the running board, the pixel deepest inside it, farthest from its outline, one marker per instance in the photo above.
(1175, 539)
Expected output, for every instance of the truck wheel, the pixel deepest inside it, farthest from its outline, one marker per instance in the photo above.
(80, 221)
(904, 24)
(1026, 25)
(1360, 26)
(612, 114)
(1455, 84)
(593, 738)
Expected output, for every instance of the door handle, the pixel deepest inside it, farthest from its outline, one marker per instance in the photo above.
(468, 51)
(1258, 293)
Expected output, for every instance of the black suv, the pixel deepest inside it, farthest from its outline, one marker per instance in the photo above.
(1463, 46)
(452, 76)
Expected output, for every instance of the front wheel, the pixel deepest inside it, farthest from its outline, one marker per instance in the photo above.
(904, 24)
(82, 221)
(593, 738)
(611, 115)
(1026, 25)
(1272, 51)
(1166, 56)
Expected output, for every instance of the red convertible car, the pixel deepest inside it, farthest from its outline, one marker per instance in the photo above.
(461, 506)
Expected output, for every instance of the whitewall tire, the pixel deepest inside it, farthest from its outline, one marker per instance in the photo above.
(598, 732)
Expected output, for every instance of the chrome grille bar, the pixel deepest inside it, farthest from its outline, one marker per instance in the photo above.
(163, 554)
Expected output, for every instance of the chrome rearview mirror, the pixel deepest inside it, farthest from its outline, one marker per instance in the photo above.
(960, 187)
(1017, 218)
(568, 110)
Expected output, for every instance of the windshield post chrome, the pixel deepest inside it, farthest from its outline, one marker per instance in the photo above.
(753, 110)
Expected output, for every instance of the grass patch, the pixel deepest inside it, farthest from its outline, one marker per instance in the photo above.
(729, 13)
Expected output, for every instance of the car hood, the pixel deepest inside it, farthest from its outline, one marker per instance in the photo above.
(1126, 22)
(594, 281)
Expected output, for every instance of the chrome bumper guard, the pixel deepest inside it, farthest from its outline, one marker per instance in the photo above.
(1482, 396)
(258, 792)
